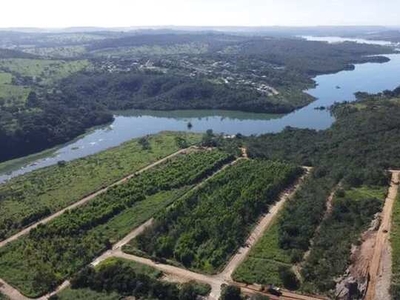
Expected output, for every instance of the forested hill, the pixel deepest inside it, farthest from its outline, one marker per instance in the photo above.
(7, 53)
(56, 86)
(167, 92)
(362, 143)
(310, 57)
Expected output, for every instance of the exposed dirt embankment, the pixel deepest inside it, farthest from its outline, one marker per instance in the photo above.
(369, 274)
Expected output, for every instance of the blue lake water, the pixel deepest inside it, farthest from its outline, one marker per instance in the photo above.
(369, 77)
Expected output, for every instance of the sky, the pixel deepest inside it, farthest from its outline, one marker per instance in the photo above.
(125, 13)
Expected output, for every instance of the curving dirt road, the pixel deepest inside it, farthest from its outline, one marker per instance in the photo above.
(378, 270)
(91, 197)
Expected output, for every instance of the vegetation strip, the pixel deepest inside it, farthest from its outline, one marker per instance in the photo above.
(257, 232)
(180, 233)
(31, 197)
(270, 260)
(88, 231)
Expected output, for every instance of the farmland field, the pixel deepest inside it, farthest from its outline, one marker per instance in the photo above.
(38, 262)
(204, 228)
(28, 198)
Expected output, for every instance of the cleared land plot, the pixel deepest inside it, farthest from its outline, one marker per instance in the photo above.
(207, 226)
(28, 198)
(37, 263)
(271, 259)
(286, 241)
(352, 212)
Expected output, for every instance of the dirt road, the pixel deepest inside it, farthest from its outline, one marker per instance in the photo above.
(377, 268)
(183, 275)
(10, 292)
(90, 197)
(259, 230)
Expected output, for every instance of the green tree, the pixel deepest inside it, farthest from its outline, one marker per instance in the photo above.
(230, 292)
(144, 142)
(288, 278)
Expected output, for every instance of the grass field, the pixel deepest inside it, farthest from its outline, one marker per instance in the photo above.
(364, 192)
(30, 197)
(58, 51)
(265, 258)
(12, 95)
(5, 78)
(44, 71)
(86, 294)
(192, 48)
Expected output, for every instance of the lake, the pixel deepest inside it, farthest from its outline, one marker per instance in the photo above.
(369, 77)
(337, 39)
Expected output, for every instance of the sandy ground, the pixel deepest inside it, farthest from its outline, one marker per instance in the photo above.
(380, 265)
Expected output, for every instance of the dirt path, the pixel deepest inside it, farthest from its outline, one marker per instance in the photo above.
(10, 292)
(182, 275)
(329, 205)
(13, 293)
(90, 197)
(244, 152)
(215, 281)
(378, 270)
(259, 230)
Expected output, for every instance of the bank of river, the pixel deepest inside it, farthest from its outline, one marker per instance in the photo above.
(370, 77)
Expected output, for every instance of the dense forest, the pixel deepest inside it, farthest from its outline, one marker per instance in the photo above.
(55, 120)
(162, 92)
